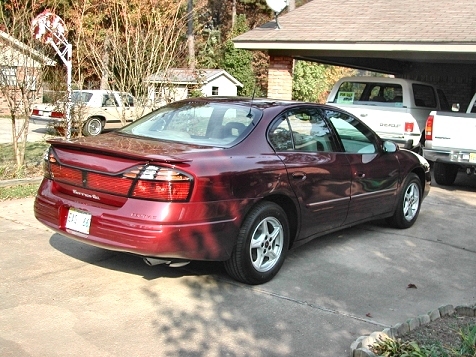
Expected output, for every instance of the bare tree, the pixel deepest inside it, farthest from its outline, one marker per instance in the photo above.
(126, 41)
(190, 36)
(21, 69)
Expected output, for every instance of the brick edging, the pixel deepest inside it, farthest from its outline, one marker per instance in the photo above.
(357, 348)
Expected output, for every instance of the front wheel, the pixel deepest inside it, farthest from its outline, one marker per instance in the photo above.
(261, 246)
(409, 203)
(92, 127)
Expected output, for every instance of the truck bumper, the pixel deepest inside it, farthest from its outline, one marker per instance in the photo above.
(402, 141)
(463, 158)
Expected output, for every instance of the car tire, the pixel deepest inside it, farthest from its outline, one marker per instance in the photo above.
(92, 127)
(261, 246)
(409, 203)
(445, 174)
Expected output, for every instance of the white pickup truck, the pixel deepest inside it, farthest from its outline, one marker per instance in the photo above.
(450, 143)
(395, 108)
(95, 110)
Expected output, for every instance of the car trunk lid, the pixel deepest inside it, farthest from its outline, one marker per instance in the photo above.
(107, 166)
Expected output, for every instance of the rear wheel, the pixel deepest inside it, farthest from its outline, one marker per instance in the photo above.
(409, 203)
(445, 174)
(261, 246)
(92, 127)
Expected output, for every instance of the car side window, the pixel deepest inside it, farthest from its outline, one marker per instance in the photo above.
(354, 136)
(108, 100)
(127, 99)
(301, 130)
(279, 135)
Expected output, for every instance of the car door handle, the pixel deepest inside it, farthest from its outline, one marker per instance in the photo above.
(363, 115)
(299, 176)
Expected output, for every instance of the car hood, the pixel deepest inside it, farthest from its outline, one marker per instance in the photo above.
(134, 147)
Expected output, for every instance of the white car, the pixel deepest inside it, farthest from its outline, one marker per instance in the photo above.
(96, 110)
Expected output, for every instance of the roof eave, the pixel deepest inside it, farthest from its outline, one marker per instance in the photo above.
(357, 46)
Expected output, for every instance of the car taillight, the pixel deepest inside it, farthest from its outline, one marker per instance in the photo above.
(429, 128)
(56, 115)
(409, 127)
(35, 112)
(161, 183)
(144, 182)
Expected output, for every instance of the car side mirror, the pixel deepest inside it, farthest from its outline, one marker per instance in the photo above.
(389, 146)
(455, 107)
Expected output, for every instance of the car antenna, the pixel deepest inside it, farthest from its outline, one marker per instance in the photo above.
(251, 103)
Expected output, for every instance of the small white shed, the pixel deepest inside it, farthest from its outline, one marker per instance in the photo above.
(180, 83)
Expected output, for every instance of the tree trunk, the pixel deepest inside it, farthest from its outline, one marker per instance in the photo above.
(292, 5)
(19, 139)
(190, 37)
(233, 14)
(105, 63)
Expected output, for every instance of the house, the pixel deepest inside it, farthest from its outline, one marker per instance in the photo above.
(429, 40)
(20, 66)
(180, 83)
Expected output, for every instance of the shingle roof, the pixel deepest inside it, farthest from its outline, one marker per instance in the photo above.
(14, 43)
(372, 21)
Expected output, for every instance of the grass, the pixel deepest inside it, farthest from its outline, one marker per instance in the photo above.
(18, 191)
(31, 169)
(466, 346)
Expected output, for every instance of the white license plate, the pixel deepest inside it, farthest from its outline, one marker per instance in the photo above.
(472, 157)
(79, 221)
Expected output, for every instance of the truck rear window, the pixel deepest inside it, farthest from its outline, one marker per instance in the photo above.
(424, 96)
(381, 94)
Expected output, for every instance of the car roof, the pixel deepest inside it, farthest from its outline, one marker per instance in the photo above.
(103, 91)
(260, 103)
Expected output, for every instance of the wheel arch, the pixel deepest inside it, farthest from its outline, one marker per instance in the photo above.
(100, 117)
(289, 207)
(421, 175)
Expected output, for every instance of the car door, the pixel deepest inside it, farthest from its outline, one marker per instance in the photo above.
(128, 107)
(318, 174)
(111, 111)
(375, 173)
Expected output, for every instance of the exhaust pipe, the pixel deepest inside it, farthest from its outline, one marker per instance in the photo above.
(178, 264)
(155, 261)
(171, 263)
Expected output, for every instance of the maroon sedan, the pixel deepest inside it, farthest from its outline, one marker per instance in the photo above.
(228, 179)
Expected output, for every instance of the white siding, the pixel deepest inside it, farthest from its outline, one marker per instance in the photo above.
(225, 87)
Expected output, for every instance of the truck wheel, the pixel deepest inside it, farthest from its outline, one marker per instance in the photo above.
(445, 174)
(92, 127)
(261, 246)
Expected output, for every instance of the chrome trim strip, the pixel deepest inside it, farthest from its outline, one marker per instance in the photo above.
(327, 202)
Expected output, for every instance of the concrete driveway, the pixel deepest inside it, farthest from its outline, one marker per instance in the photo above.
(59, 297)
(37, 130)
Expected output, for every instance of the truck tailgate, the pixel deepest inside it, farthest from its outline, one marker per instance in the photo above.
(455, 130)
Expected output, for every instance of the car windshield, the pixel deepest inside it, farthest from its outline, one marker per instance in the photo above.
(201, 123)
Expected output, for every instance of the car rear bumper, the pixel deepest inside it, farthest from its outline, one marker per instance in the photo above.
(201, 231)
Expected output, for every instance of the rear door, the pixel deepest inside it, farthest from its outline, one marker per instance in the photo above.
(104, 105)
(319, 175)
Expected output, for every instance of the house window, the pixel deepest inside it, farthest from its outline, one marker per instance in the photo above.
(214, 90)
(30, 82)
(8, 76)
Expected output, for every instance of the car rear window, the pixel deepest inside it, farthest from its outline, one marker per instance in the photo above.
(81, 97)
(424, 96)
(214, 124)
